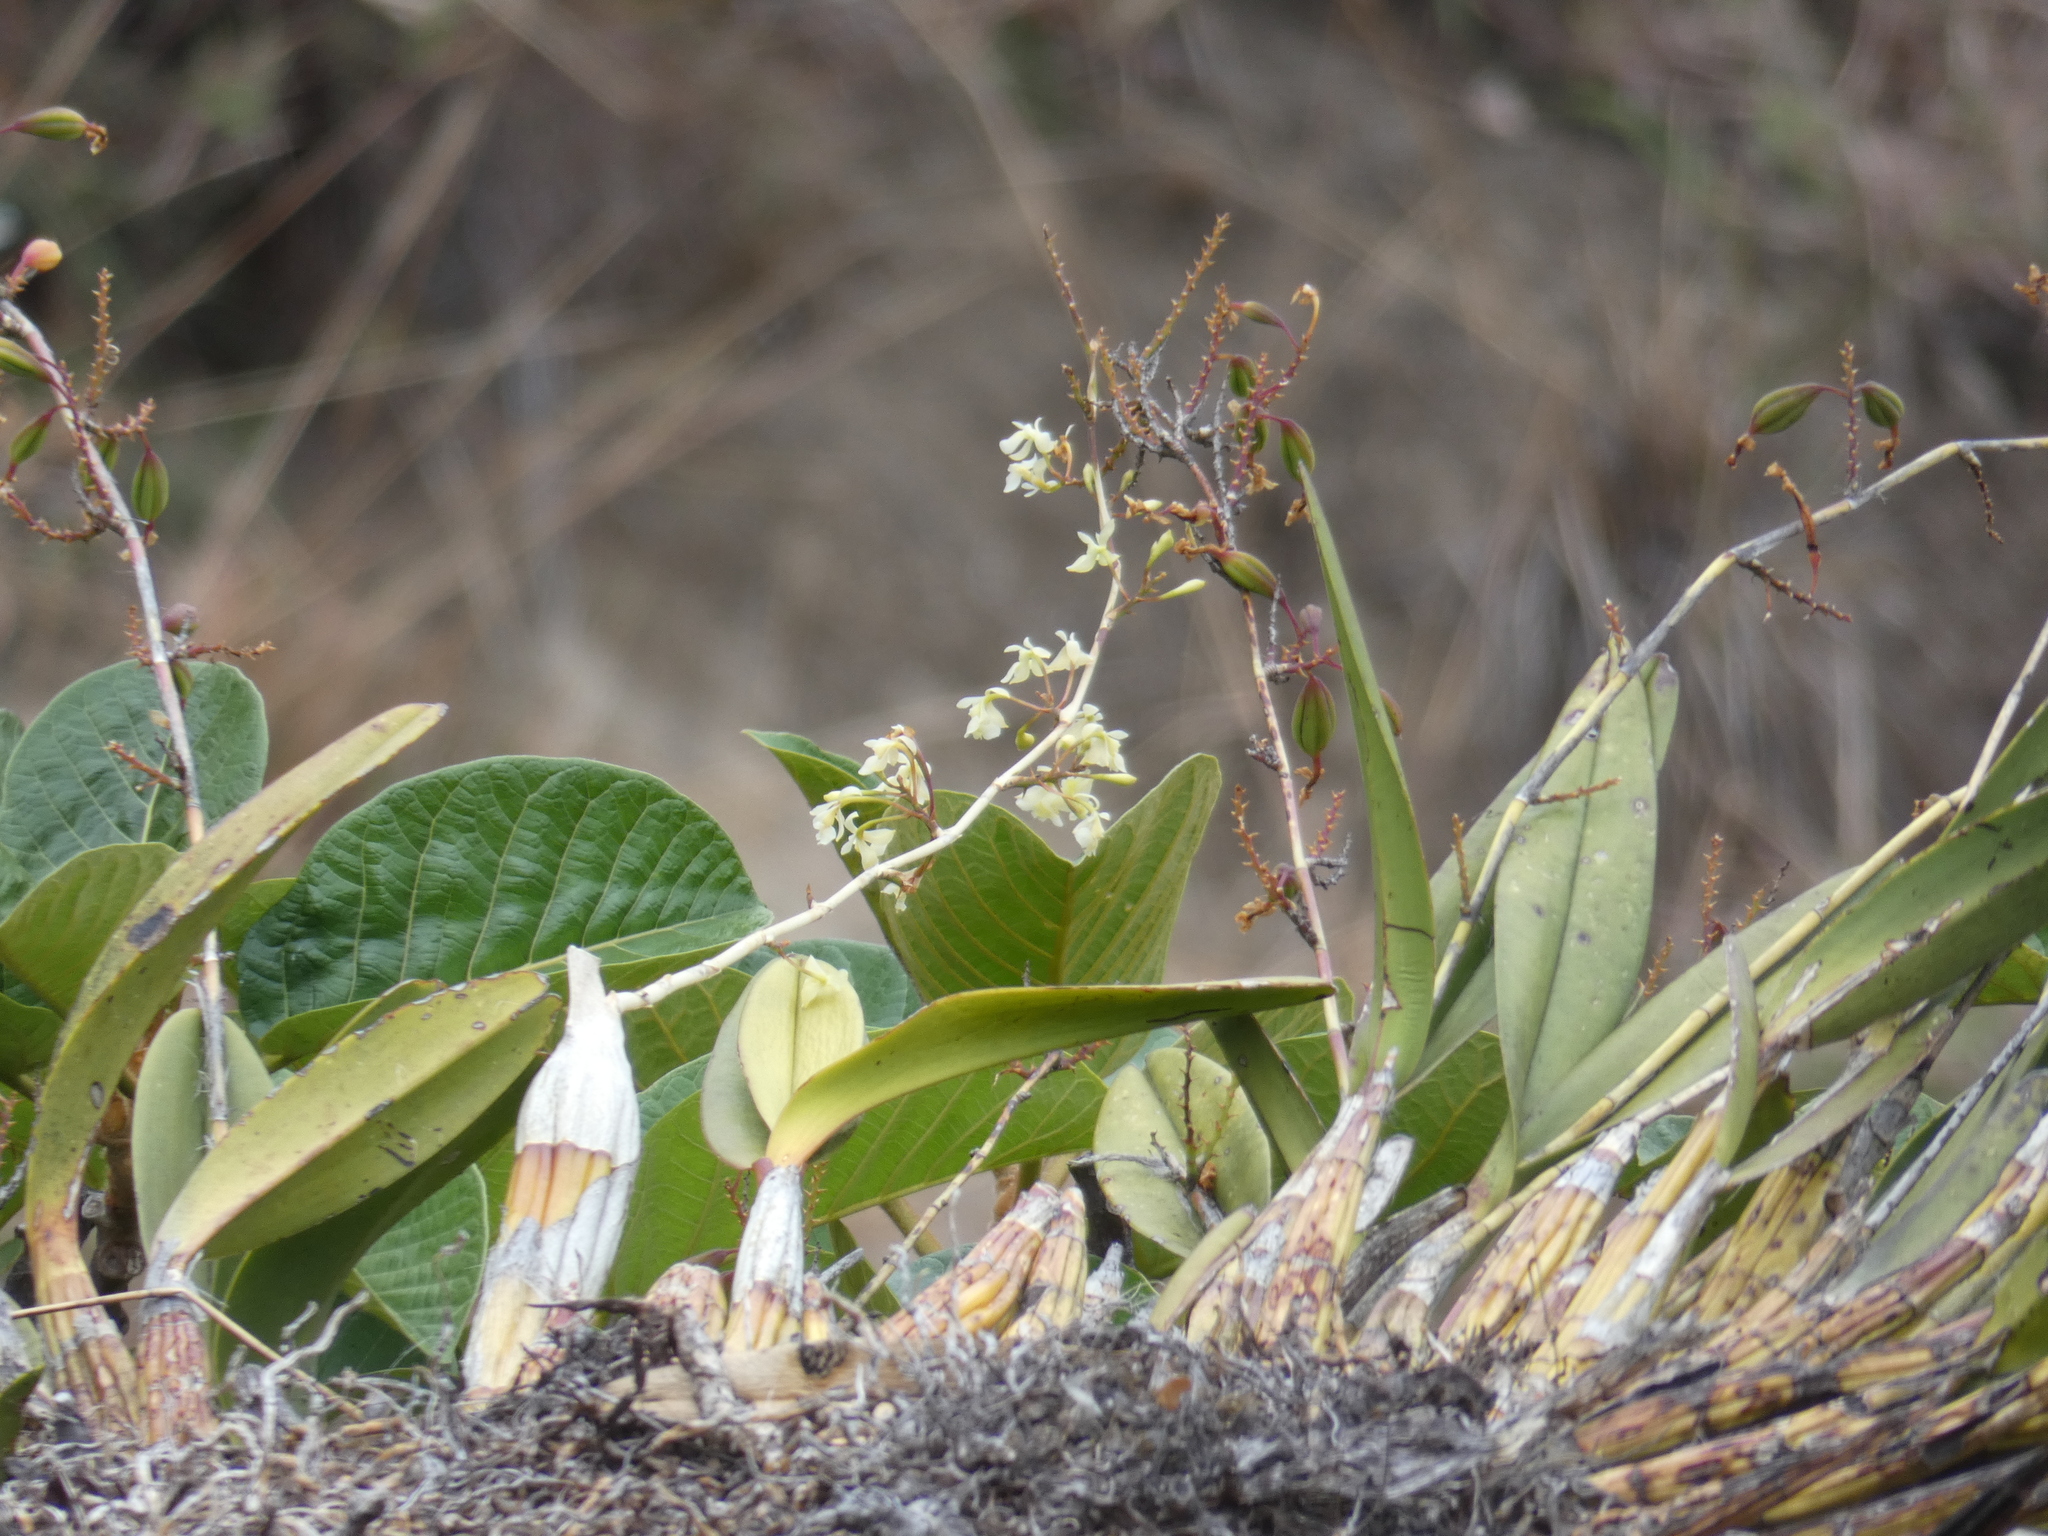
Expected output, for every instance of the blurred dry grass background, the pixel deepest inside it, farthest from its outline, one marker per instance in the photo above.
(628, 373)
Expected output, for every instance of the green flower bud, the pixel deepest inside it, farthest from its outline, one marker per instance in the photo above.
(15, 358)
(1253, 310)
(1246, 572)
(1259, 436)
(1243, 377)
(1025, 740)
(1160, 546)
(1882, 406)
(797, 1016)
(1782, 408)
(27, 441)
(150, 491)
(1315, 716)
(1296, 451)
(59, 123)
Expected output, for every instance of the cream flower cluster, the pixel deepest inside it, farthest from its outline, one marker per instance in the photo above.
(895, 761)
(1029, 450)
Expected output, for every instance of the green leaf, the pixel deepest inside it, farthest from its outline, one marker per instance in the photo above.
(2024, 762)
(682, 1026)
(1572, 907)
(1001, 908)
(273, 1285)
(477, 869)
(1184, 1109)
(303, 1036)
(1474, 1008)
(2018, 980)
(361, 1116)
(924, 1138)
(17, 1125)
(1283, 1109)
(1746, 1030)
(1406, 925)
(255, 901)
(1454, 1114)
(974, 1031)
(733, 1127)
(666, 1092)
(1303, 1041)
(426, 1268)
(144, 963)
(1654, 1020)
(170, 1128)
(13, 1404)
(10, 737)
(1962, 1174)
(53, 935)
(64, 792)
(366, 1344)
(27, 1037)
(1843, 1103)
(680, 1205)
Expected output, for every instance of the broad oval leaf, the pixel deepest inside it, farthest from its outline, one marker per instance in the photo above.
(367, 1111)
(53, 935)
(680, 1207)
(304, 1035)
(425, 1270)
(974, 1031)
(170, 1126)
(144, 963)
(1454, 1115)
(477, 869)
(1001, 908)
(28, 1035)
(64, 792)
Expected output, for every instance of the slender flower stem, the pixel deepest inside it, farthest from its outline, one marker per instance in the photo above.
(734, 953)
(106, 503)
(1290, 804)
(1640, 654)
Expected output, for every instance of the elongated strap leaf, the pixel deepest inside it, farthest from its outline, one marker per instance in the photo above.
(369, 1110)
(144, 963)
(976, 1031)
(1406, 952)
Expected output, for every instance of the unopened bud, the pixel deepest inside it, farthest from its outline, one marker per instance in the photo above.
(181, 619)
(1246, 572)
(1243, 377)
(1160, 546)
(27, 441)
(1315, 716)
(15, 358)
(1783, 408)
(1259, 436)
(1130, 479)
(1311, 620)
(1882, 406)
(59, 123)
(1185, 589)
(1025, 740)
(797, 1016)
(1259, 314)
(150, 492)
(1296, 451)
(42, 255)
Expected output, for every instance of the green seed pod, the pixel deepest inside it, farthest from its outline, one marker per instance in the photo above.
(15, 358)
(59, 123)
(1882, 406)
(27, 441)
(1246, 572)
(1296, 451)
(1243, 377)
(797, 1016)
(1782, 408)
(1259, 436)
(1253, 310)
(150, 492)
(1315, 716)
